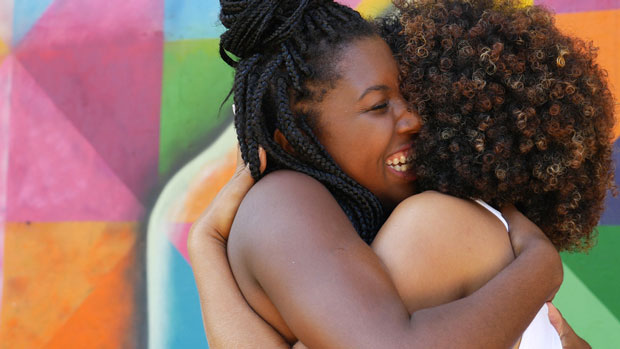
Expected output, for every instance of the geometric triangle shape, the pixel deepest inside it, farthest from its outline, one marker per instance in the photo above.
(50, 269)
(54, 173)
(25, 14)
(598, 270)
(192, 19)
(101, 65)
(109, 317)
(583, 310)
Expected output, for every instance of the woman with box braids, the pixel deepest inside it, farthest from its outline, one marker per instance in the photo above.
(283, 50)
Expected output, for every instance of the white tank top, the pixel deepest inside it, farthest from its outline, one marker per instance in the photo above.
(540, 334)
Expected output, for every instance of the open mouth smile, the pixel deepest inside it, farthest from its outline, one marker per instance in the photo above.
(401, 161)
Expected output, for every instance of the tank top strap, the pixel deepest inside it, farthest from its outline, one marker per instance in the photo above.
(493, 211)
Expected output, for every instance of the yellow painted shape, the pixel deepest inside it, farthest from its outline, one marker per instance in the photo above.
(602, 28)
(525, 2)
(373, 8)
(50, 270)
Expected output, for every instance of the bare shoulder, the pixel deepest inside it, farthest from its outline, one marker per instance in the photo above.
(286, 207)
(431, 233)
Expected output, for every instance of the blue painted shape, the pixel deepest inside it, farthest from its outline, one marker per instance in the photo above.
(192, 19)
(611, 216)
(25, 14)
(185, 328)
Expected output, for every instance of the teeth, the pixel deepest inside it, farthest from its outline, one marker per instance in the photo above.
(402, 159)
(389, 162)
(398, 168)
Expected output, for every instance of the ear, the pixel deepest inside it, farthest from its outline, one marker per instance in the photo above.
(283, 142)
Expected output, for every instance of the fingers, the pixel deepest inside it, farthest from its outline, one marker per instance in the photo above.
(556, 319)
(262, 155)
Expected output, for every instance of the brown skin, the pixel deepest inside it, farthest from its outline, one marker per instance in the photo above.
(228, 319)
(368, 102)
(303, 268)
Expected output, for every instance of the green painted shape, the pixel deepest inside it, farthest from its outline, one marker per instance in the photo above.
(195, 82)
(588, 316)
(599, 270)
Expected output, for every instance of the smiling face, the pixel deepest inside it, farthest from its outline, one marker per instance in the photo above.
(365, 125)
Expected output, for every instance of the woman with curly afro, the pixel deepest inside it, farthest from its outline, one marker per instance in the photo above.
(514, 111)
(503, 123)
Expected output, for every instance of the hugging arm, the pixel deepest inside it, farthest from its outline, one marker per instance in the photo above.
(228, 319)
(333, 291)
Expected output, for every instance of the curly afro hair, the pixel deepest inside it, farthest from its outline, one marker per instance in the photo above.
(514, 111)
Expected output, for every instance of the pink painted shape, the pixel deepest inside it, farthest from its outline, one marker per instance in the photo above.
(6, 74)
(563, 6)
(350, 3)
(54, 173)
(178, 236)
(100, 62)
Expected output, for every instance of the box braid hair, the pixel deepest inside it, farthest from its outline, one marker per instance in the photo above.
(285, 49)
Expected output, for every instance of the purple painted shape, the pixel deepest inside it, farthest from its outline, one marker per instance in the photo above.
(54, 173)
(178, 237)
(611, 216)
(350, 3)
(564, 6)
(100, 62)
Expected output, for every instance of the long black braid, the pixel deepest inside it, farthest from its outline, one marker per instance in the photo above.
(282, 45)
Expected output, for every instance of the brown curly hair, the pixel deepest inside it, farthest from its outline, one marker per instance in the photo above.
(514, 111)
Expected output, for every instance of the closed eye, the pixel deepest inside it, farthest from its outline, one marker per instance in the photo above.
(379, 106)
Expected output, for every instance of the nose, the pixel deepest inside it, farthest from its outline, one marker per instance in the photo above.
(408, 121)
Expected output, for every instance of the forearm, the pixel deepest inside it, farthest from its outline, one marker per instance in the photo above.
(498, 313)
(228, 319)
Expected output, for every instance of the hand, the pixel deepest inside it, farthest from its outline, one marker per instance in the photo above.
(217, 219)
(570, 339)
(522, 231)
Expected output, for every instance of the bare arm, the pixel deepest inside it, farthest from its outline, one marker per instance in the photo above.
(332, 290)
(438, 248)
(228, 319)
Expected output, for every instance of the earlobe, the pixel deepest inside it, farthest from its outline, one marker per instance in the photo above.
(283, 142)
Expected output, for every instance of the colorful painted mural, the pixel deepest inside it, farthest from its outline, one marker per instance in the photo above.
(112, 142)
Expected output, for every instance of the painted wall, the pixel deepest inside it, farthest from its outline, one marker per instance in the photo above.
(111, 145)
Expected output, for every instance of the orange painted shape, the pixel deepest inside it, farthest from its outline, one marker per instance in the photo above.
(50, 269)
(602, 28)
(106, 318)
(205, 186)
(4, 50)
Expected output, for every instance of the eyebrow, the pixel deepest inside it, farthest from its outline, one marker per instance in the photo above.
(374, 88)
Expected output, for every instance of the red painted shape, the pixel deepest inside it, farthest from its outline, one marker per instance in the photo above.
(54, 173)
(100, 62)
